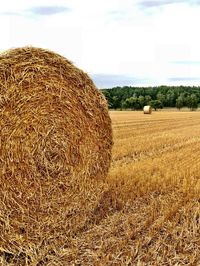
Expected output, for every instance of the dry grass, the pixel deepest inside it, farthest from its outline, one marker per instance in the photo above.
(149, 213)
(155, 178)
(147, 109)
(149, 209)
(55, 152)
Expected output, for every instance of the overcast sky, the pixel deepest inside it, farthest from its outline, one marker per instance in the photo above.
(117, 42)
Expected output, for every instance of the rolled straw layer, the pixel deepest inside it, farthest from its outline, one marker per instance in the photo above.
(55, 148)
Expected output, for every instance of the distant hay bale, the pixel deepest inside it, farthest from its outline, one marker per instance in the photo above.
(147, 109)
(55, 148)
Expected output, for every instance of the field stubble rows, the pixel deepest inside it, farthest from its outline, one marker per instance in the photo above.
(149, 212)
(156, 164)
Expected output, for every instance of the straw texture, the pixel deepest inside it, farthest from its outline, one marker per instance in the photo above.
(147, 109)
(55, 150)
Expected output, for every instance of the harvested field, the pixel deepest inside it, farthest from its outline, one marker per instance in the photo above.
(149, 212)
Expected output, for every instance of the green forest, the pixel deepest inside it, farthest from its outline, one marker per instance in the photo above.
(135, 98)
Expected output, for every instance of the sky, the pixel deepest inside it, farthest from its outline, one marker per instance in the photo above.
(117, 42)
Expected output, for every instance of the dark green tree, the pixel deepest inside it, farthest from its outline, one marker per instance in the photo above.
(192, 102)
(168, 95)
(156, 104)
(162, 98)
(141, 101)
(147, 99)
(132, 102)
(170, 98)
(180, 102)
(115, 102)
(125, 104)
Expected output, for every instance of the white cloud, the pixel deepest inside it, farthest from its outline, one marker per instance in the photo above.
(110, 37)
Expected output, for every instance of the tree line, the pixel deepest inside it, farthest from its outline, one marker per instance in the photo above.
(135, 98)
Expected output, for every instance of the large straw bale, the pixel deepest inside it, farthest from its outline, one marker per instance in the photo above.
(55, 150)
(147, 109)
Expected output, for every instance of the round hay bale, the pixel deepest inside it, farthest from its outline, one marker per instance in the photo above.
(147, 109)
(55, 148)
